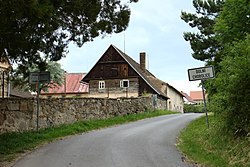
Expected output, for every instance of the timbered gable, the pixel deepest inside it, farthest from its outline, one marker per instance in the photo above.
(111, 56)
(117, 75)
(110, 66)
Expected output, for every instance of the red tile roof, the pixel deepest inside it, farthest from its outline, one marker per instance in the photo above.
(189, 99)
(73, 85)
(196, 95)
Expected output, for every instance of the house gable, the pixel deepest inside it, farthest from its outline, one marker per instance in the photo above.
(110, 66)
(114, 64)
(4, 61)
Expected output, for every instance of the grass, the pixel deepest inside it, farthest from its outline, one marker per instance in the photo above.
(14, 144)
(211, 147)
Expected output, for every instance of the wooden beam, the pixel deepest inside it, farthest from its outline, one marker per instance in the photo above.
(111, 62)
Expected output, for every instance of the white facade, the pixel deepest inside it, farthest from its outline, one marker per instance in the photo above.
(175, 102)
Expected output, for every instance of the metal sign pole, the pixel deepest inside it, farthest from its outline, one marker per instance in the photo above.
(38, 103)
(204, 99)
(202, 73)
(37, 78)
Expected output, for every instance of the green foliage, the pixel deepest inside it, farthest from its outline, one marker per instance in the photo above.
(227, 23)
(12, 144)
(232, 99)
(203, 40)
(203, 43)
(233, 22)
(20, 76)
(211, 147)
(193, 108)
(232, 81)
(29, 28)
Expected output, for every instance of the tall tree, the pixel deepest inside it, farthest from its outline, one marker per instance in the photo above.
(31, 27)
(203, 43)
(233, 24)
(232, 99)
(231, 102)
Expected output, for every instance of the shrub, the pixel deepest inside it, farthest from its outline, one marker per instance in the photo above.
(231, 102)
(193, 108)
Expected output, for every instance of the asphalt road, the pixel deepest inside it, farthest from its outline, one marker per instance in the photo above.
(146, 143)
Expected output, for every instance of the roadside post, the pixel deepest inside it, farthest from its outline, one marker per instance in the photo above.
(202, 73)
(154, 101)
(37, 78)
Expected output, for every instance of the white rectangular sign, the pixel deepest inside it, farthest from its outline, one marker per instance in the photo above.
(201, 73)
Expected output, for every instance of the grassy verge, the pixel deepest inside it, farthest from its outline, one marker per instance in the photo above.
(210, 147)
(14, 144)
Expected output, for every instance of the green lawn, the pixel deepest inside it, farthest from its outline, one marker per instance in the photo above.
(210, 147)
(14, 144)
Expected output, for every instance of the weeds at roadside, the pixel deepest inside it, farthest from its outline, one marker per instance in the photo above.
(211, 147)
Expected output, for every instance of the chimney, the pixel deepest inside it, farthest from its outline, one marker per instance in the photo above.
(143, 61)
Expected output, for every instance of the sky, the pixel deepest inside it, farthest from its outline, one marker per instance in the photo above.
(155, 28)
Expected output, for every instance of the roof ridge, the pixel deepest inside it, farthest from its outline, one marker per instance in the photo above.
(145, 75)
(75, 73)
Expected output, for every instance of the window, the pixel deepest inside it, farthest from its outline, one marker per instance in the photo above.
(124, 83)
(101, 84)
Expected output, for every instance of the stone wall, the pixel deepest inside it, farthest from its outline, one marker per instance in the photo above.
(17, 115)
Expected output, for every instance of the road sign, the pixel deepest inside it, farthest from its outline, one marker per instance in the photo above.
(37, 78)
(201, 73)
(42, 77)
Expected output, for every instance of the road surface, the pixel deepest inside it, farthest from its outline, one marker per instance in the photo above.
(146, 143)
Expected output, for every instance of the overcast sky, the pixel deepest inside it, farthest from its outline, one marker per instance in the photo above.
(155, 28)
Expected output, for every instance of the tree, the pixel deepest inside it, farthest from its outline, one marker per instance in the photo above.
(234, 21)
(203, 43)
(31, 27)
(233, 80)
(20, 76)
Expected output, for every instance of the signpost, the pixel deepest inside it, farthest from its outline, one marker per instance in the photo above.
(42, 77)
(202, 74)
(154, 100)
(37, 78)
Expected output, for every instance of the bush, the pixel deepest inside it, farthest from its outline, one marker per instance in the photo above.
(231, 102)
(193, 108)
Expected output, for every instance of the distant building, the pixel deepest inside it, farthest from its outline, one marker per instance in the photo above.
(188, 99)
(197, 97)
(72, 87)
